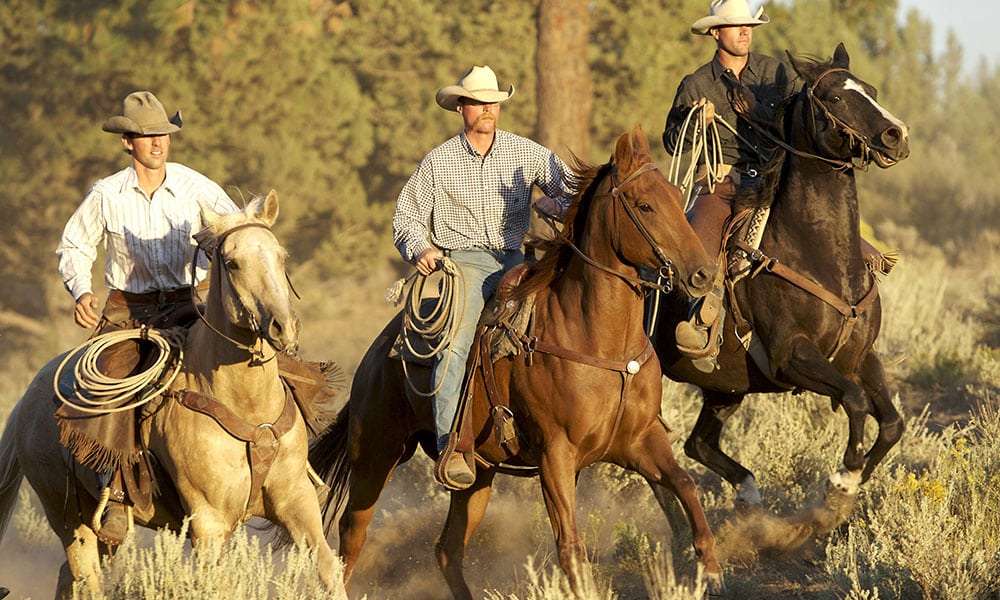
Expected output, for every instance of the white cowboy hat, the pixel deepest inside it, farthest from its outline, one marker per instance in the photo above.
(478, 83)
(143, 114)
(729, 12)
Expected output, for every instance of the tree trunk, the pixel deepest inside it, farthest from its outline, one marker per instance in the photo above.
(565, 90)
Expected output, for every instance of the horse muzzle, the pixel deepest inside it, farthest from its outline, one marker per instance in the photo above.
(894, 146)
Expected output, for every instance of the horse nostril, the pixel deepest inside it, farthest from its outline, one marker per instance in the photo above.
(701, 278)
(891, 137)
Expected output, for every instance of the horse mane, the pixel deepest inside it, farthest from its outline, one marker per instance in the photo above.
(557, 251)
(807, 68)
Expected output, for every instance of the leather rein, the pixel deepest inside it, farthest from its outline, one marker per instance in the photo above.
(212, 247)
(855, 137)
(665, 271)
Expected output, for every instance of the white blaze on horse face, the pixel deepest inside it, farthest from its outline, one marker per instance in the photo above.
(854, 86)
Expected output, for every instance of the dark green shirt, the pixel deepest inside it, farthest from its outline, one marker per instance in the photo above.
(769, 80)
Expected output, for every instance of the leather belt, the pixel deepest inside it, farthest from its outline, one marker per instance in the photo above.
(160, 298)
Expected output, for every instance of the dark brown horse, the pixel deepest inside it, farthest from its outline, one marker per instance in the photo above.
(589, 391)
(809, 300)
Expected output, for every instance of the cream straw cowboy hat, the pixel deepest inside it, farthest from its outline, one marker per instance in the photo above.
(729, 12)
(143, 114)
(478, 83)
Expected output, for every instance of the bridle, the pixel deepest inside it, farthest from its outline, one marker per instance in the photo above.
(212, 247)
(665, 272)
(855, 137)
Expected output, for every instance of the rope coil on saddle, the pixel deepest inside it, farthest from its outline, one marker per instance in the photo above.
(438, 327)
(99, 394)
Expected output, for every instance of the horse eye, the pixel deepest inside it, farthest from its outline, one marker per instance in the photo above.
(645, 207)
(835, 99)
(231, 264)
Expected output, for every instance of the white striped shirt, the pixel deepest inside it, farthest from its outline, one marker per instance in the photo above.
(148, 241)
(458, 199)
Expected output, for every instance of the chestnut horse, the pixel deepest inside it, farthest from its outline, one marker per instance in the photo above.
(809, 304)
(229, 370)
(588, 389)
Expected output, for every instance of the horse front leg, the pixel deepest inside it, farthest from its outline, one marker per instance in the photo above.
(465, 513)
(652, 457)
(297, 509)
(83, 562)
(803, 365)
(890, 422)
(558, 478)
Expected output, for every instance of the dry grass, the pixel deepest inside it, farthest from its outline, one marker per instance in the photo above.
(925, 525)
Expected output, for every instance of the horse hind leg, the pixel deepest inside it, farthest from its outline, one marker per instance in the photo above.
(371, 468)
(465, 513)
(703, 446)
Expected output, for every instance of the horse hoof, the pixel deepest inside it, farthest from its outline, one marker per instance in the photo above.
(715, 585)
(845, 482)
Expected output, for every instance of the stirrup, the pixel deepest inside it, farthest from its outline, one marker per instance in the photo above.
(449, 471)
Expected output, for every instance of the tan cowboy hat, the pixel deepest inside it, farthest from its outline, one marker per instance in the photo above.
(143, 114)
(729, 12)
(478, 83)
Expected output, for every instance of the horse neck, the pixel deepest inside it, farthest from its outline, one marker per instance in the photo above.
(217, 367)
(597, 306)
(815, 218)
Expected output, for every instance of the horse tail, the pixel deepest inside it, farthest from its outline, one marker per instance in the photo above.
(10, 473)
(328, 455)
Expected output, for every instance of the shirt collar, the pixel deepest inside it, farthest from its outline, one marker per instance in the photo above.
(131, 181)
(497, 137)
(718, 69)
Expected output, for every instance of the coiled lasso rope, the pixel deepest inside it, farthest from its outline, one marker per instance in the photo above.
(437, 328)
(99, 394)
(710, 152)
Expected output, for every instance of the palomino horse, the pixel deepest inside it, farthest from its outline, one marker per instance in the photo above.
(585, 390)
(229, 371)
(810, 301)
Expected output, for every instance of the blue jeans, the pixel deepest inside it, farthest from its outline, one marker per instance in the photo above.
(482, 270)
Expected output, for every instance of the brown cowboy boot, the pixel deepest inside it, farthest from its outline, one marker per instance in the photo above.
(698, 338)
(114, 522)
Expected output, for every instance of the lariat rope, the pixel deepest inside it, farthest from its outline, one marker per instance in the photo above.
(438, 327)
(98, 394)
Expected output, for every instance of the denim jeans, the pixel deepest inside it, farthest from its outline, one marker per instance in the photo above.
(482, 270)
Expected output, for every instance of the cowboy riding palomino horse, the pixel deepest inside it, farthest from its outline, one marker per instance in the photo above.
(804, 303)
(582, 386)
(226, 407)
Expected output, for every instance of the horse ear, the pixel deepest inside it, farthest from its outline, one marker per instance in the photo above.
(797, 65)
(208, 215)
(840, 57)
(622, 148)
(640, 143)
(269, 210)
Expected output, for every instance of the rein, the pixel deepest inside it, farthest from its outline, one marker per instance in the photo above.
(854, 136)
(666, 270)
(213, 249)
